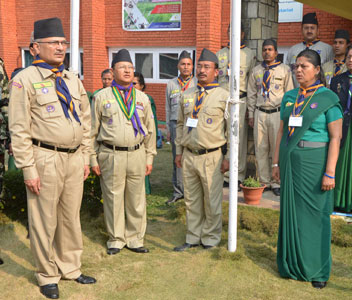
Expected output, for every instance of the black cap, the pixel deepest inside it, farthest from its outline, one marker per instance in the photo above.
(122, 55)
(342, 34)
(207, 55)
(48, 28)
(310, 18)
(184, 54)
(270, 42)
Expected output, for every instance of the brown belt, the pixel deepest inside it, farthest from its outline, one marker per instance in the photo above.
(54, 148)
(202, 151)
(117, 148)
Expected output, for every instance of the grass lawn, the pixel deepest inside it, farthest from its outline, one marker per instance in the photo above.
(249, 273)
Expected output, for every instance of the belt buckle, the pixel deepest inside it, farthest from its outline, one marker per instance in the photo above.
(71, 151)
(196, 152)
(131, 148)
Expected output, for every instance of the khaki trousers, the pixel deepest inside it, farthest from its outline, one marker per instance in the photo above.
(242, 147)
(54, 222)
(123, 187)
(265, 131)
(203, 182)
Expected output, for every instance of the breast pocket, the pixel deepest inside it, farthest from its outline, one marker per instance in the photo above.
(76, 98)
(211, 117)
(49, 106)
(109, 114)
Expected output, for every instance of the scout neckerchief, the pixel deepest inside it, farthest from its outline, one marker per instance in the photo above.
(267, 77)
(310, 44)
(200, 99)
(61, 88)
(338, 65)
(128, 104)
(349, 95)
(184, 83)
(298, 108)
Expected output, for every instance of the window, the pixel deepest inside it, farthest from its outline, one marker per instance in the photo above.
(158, 65)
(27, 60)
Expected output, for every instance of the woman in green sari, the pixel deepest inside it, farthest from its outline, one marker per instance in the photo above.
(139, 84)
(305, 159)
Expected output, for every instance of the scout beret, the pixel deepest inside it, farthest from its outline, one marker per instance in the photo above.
(310, 18)
(48, 28)
(184, 54)
(122, 55)
(207, 55)
(342, 34)
(270, 42)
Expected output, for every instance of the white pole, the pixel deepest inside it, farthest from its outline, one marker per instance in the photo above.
(74, 49)
(235, 44)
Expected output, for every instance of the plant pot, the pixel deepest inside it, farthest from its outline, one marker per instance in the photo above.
(252, 195)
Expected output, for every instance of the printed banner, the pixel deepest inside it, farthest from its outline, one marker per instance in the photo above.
(145, 15)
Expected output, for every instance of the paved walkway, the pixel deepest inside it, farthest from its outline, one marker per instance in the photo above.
(269, 200)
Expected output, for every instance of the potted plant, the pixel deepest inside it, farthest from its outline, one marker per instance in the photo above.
(252, 190)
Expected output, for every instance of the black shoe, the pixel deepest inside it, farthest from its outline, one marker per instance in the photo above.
(83, 279)
(266, 189)
(113, 251)
(239, 186)
(139, 250)
(319, 284)
(276, 191)
(207, 247)
(50, 291)
(1, 261)
(185, 246)
(174, 199)
(225, 184)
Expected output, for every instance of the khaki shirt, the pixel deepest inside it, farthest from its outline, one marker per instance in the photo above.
(324, 50)
(211, 130)
(329, 70)
(247, 62)
(109, 124)
(173, 96)
(280, 83)
(35, 112)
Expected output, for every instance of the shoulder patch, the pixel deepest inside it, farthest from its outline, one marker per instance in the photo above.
(16, 84)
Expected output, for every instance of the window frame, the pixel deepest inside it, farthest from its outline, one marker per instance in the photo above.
(156, 58)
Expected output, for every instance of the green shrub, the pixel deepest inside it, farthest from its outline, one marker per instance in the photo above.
(14, 201)
(341, 233)
(251, 182)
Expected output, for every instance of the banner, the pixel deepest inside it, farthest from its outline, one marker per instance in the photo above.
(148, 15)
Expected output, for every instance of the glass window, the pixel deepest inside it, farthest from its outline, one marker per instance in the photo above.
(144, 64)
(168, 65)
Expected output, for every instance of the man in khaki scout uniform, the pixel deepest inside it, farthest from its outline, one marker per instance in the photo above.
(310, 41)
(175, 87)
(337, 66)
(267, 84)
(247, 62)
(49, 120)
(123, 135)
(201, 132)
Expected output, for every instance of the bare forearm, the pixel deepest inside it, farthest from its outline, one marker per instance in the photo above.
(277, 146)
(333, 154)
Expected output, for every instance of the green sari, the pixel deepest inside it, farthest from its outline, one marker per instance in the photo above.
(303, 250)
(343, 188)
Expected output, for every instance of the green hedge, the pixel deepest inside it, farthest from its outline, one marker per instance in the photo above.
(14, 200)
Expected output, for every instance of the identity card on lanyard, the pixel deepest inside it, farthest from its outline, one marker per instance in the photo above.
(192, 122)
(295, 121)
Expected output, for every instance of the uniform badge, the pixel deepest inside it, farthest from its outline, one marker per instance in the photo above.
(221, 72)
(314, 105)
(258, 79)
(140, 107)
(241, 73)
(45, 90)
(186, 104)
(222, 61)
(109, 121)
(209, 120)
(319, 51)
(339, 88)
(289, 104)
(80, 107)
(107, 105)
(327, 77)
(16, 84)
(277, 86)
(50, 108)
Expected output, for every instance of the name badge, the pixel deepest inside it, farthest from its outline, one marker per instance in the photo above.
(295, 121)
(192, 122)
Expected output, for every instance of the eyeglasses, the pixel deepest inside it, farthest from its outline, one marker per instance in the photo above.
(56, 43)
(129, 68)
(206, 67)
